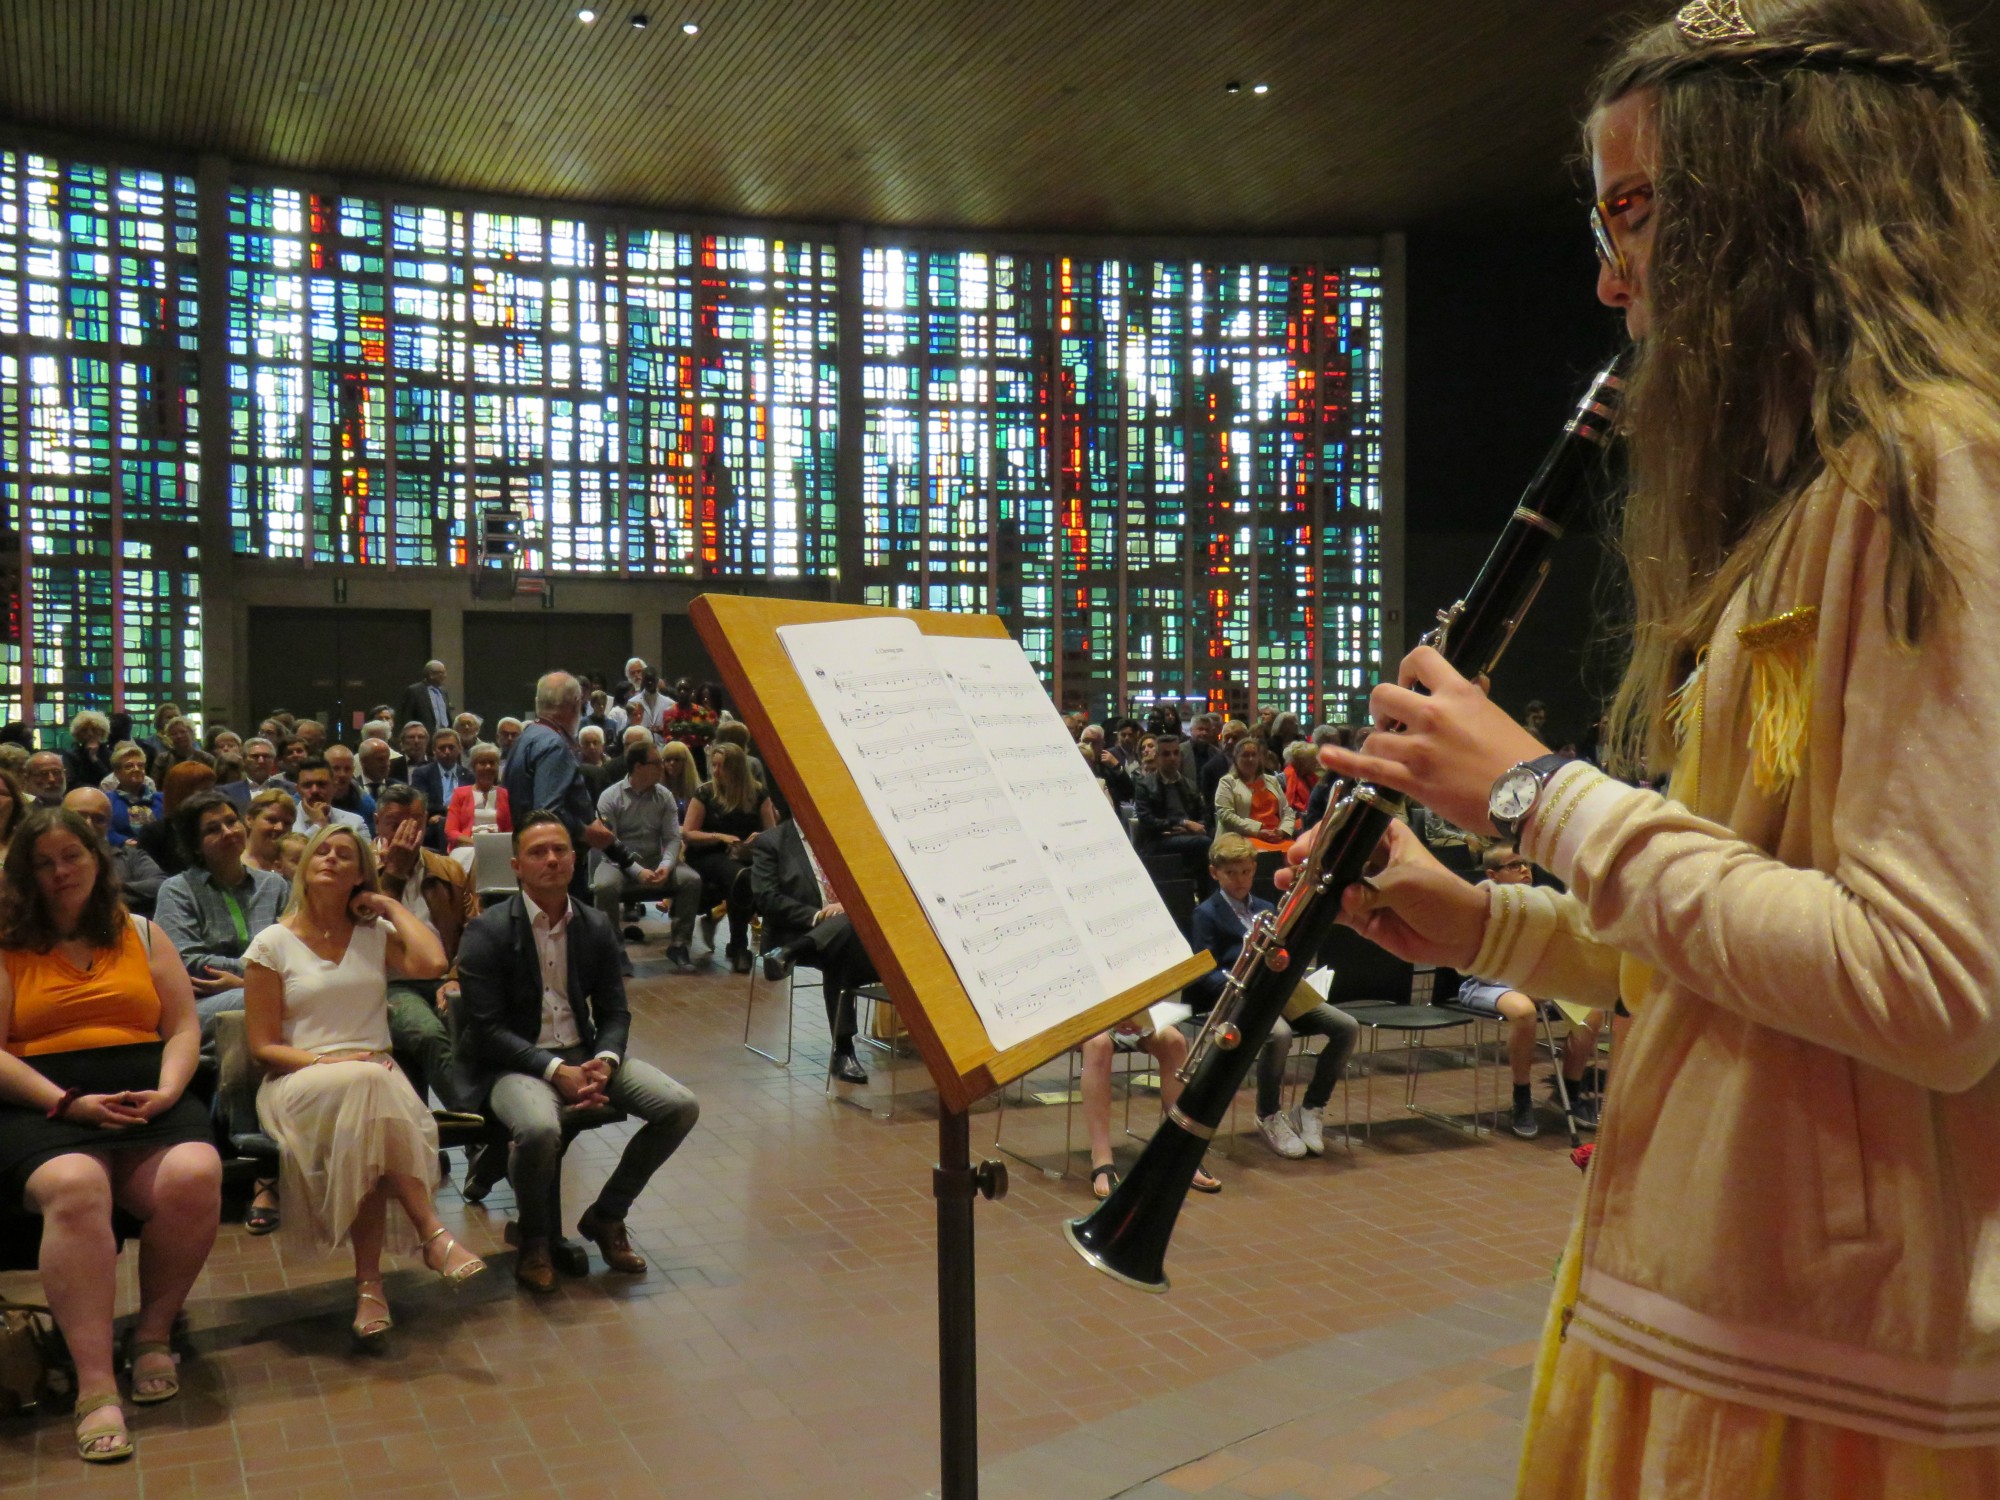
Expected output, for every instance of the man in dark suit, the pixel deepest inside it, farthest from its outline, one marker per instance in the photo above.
(425, 702)
(544, 1025)
(1173, 819)
(437, 778)
(803, 924)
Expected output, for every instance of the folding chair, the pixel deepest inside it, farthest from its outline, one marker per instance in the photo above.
(1376, 988)
(493, 864)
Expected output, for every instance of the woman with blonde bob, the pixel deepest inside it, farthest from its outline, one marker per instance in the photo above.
(351, 1131)
(1785, 1276)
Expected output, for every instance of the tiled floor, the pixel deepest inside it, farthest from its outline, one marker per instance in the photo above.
(1346, 1326)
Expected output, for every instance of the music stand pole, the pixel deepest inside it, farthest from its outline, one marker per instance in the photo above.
(955, 1182)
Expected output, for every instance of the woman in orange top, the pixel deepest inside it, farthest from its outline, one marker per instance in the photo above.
(1251, 802)
(100, 1041)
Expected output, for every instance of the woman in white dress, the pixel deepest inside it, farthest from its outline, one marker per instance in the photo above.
(351, 1130)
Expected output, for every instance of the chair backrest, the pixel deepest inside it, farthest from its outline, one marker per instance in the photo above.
(1362, 971)
(493, 863)
(236, 1089)
(1179, 897)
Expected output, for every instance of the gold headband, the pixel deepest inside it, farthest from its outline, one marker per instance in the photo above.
(1713, 21)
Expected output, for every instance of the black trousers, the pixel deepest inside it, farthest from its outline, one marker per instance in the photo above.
(834, 948)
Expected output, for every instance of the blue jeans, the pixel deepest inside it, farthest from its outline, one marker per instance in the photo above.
(529, 1108)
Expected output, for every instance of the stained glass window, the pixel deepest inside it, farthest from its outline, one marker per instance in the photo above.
(98, 430)
(644, 399)
(1165, 474)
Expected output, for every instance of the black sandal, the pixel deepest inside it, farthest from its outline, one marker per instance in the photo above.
(1107, 1170)
(262, 1220)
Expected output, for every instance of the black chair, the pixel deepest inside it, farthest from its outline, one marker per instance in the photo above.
(1178, 894)
(1378, 989)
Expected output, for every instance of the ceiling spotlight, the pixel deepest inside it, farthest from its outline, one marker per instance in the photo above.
(1260, 88)
(586, 16)
(638, 21)
(690, 28)
(1232, 87)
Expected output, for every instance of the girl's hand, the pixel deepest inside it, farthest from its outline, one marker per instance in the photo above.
(1415, 907)
(1454, 743)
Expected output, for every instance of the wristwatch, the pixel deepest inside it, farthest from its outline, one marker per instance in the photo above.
(1517, 791)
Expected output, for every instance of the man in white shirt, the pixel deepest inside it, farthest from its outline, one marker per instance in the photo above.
(544, 1027)
(315, 784)
(641, 812)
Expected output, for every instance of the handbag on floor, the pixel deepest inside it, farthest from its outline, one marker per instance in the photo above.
(35, 1365)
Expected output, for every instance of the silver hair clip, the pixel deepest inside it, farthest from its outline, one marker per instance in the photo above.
(1713, 21)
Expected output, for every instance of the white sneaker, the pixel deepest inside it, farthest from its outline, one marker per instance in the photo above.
(1280, 1137)
(1311, 1134)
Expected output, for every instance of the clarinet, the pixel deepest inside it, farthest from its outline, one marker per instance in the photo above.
(1127, 1236)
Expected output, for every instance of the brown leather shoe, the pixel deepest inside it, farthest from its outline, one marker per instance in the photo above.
(609, 1235)
(533, 1269)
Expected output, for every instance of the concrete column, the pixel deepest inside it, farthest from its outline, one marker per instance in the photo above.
(448, 642)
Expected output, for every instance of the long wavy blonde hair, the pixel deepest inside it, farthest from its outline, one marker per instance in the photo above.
(1824, 297)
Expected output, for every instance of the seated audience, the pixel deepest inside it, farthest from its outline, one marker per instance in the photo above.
(223, 743)
(600, 770)
(439, 779)
(1249, 801)
(678, 775)
(291, 849)
(1202, 749)
(480, 807)
(139, 875)
(135, 805)
(1125, 744)
(157, 838)
(468, 725)
(214, 907)
(648, 707)
(314, 780)
(344, 794)
(272, 814)
(805, 924)
(100, 1044)
(1169, 1049)
(180, 750)
(13, 758)
(416, 742)
(156, 743)
(544, 1025)
(46, 778)
(1219, 765)
(351, 1132)
(641, 813)
(1106, 766)
(724, 816)
(1172, 818)
(313, 734)
(505, 733)
(438, 892)
(87, 761)
(1504, 865)
(291, 755)
(373, 761)
(689, 722)
(606, 716)
(1302, 773)
(634, 683)
(1220, 925)
(14, 806)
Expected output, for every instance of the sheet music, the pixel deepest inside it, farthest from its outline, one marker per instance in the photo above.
(1017, 859)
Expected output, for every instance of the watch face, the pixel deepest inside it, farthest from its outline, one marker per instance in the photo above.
(1514, 794)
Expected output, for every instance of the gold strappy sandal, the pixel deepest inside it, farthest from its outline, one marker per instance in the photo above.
(452, 1279)
(371, 1334)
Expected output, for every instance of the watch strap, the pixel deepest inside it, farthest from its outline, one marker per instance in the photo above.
(1543, 768)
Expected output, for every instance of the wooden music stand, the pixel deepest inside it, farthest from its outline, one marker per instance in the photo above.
(741, 634)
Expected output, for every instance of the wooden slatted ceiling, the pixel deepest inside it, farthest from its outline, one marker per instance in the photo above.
(1106, 115)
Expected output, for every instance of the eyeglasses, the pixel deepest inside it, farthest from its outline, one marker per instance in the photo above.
(1603, 212)
(1512, 864)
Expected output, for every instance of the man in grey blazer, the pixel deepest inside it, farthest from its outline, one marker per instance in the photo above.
(544, 1024)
